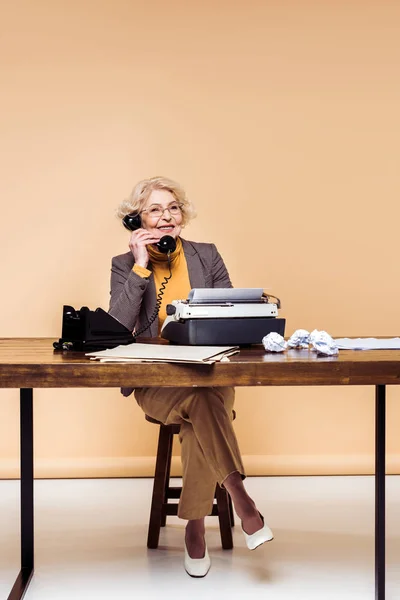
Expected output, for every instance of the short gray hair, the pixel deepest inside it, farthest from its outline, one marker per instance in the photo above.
(142, 190)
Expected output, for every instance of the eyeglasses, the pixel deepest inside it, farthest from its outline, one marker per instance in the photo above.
(156, 211)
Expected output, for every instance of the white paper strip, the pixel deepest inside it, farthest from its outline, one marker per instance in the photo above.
(368, 343)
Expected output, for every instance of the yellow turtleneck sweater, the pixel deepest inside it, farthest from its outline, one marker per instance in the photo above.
(178, 287)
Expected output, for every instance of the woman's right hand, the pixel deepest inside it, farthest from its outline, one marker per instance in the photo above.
(140, 238)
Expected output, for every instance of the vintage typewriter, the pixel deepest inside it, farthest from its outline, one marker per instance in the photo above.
(222, 316)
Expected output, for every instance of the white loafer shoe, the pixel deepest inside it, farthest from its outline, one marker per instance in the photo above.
(259, 537)
(197, 567)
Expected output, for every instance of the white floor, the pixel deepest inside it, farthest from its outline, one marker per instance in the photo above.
(91, 543)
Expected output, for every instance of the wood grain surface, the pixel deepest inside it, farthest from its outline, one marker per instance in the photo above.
(32, 362)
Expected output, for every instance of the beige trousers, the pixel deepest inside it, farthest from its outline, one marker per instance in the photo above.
(209, 447)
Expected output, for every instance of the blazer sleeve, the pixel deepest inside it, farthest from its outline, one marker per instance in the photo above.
(220, 275)
(126, 295)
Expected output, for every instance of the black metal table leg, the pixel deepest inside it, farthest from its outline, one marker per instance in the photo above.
(380, 474)
(26, 445)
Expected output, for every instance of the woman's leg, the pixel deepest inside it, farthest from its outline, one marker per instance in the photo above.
(198, 481)
(244, 505)
(198, 490)
(210, 450)
(210, 453)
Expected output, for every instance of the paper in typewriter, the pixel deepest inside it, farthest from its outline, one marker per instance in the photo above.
(164, 353)
(222, 295)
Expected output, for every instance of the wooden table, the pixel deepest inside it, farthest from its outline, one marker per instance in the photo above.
(29, 363)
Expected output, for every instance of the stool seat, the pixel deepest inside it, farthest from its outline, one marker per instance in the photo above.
(162, 491)
(175, 427)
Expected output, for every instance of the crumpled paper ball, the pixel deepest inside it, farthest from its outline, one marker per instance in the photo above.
(300, 339)
(323, 343)
(273, 342)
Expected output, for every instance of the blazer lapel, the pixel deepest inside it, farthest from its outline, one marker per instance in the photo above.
(194, 265)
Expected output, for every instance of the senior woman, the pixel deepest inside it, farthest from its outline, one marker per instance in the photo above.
(209, 447)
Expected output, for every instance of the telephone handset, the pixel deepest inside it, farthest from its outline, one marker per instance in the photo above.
(166, 245)
(132, 221)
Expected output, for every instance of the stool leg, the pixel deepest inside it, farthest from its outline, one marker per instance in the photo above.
(231, 513)
(158, 487)
(224, 518)
(167, 476)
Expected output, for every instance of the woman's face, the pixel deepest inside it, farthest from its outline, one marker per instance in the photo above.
(167, 223)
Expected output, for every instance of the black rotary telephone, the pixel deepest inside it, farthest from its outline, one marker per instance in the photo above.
(87, 330)
(166, 245)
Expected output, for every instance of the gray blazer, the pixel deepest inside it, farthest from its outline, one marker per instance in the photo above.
(133, 298)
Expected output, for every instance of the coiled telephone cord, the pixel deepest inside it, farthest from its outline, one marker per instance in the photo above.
(158, 302)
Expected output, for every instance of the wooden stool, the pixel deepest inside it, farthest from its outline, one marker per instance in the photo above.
(162, 492)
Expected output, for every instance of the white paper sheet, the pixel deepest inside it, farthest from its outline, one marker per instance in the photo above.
(164, 353)
(368, 343)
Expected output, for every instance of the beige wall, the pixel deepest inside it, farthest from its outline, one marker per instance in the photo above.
(281, 119)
